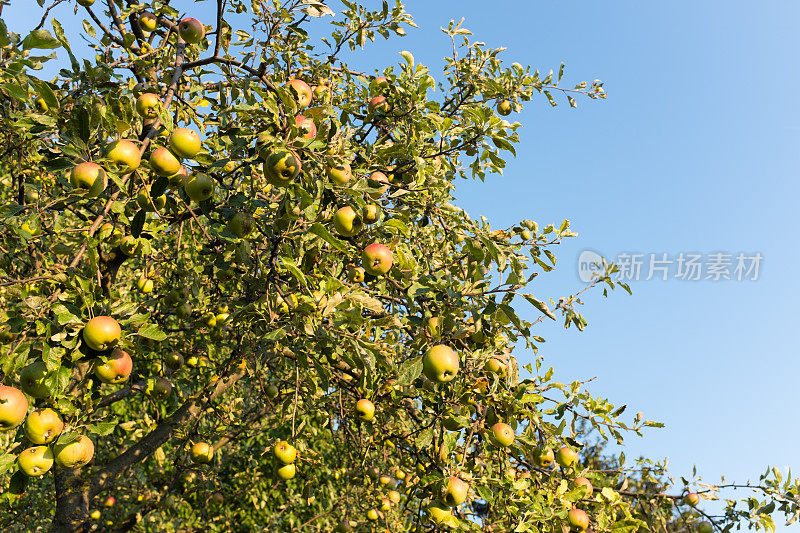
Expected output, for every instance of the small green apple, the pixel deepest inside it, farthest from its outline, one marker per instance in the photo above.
(285, 472)
(43, 425)
(185, 142)
(505, 107)
(365, 409)
(89, 177)
(241, 224)
(284, 452)
(147, 105)
(339, 173)
(202, 453)
(440, 364)
(124, 154)
(455, 491)
(33, 379)
(35, 461)
(147, 21)
(346, 221)
(566, 457)
(200, 187)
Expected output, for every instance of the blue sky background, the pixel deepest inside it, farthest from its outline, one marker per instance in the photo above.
(695, 150)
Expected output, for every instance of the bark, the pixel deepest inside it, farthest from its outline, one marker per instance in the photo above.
(72, 501)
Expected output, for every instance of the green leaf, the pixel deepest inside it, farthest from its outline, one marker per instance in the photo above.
(540, 305)
(409, 371)
(40, 39)
(152, 331)
(102, 428)
(322, 232)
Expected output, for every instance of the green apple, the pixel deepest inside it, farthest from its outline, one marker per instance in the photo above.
(377, 259)
(184, 142)
(355, 274)
(501, 435)
(494, 365)
(35, 461)
(372, 515)
(346, 221)
(43, 425)
(74, 454)
(33, 380)
(116, 370)
(578, 520)
(394, 496)
(147, 105)
(85, 3)
(285, 472)
(13, 407)
(241, 224)
(200, 188)
(162, 388)
(164, 163)
(191, 30)
(371, 213)
(101, 333)
(272, 391)
(301, 91)
(284, 452)
(173, 360)
(95, 515)
(217, 498)
(305, 127)
(440, 364)
(439, 513)
(566, 457)
(583, 482)
(89, 177)
(544, 457)
(691, 499)
(148, 203)
(455, 491)
(505, 107)
(339, 173)
(378, 105)
(184, 310)
(202, 453)
(281, 167)
(147, 21)
(433, 327)
(144, 284)
(705, 527)
(365, 409)
(124, 155)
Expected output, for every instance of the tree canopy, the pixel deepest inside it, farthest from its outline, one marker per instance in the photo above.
(237, 294)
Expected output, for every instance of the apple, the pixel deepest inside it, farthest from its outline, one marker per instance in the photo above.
(384, 479)
(705, 527)
(95, 515)
(440, 514)
(394, 496)
(179, 179)
(455, 491)
(217, 498)
(583, 482)
(433, 327)
(370, 214)
(35, 461)
(578, 519)
(378, 180)
(164, 163)
(285, 472)
(125, 155)
(440, 364)
(241, 224)
(355, 274)
(173, 360)
(13, 407)
(148, 203)
(340, 173)
(147, 21)
(305, 127)
(544, 457)
(566, 457)
(75, 454)
(272, 391)
(43, 425)
(110, 501)
(346, 222)
(191, 30)
(501, 435)
(101, 333)
(202, 453)
(380, 83)
(365, 409)
(116, 370)
(41, 105)
(386, 504)
(378, 105)
(162, 388)
(377, 259)
(89, 177)
(284, 452)
(505, 107)
(85, 3)
(200, 187)
(691, 499)
(372, 515)
(281, 167)
(33, 378)
(184, 310)
(184, 142)
(147, 105)
(301, 91)
(144, 284)
(494, 365)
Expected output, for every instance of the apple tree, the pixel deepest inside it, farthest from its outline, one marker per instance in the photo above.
(237, 295)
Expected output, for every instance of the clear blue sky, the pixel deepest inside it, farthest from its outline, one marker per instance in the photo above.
(695, 150)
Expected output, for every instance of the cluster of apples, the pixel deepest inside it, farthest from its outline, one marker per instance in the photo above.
(286, 454)
(43, 426)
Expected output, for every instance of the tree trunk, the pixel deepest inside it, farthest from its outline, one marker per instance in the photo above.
(72, 502)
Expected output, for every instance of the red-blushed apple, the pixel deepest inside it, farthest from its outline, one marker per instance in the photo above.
(184, 142)
(164, 163)
(440, 364)
(124, 155)
(35, 461)
(147, 105)
(378, 106)
(566, 457)
(110, 501)
(380, 83)
(13, 407)
(583, 482)
(101, 333)
(301, 91)
(191, 30)
(241, 224)
(578, 520)
(505, 107)
(147, 21)
(378, 180)
(692, 499)
(347, 222)
(455, 491)
(117, 369)
(43, 425)
(89, 177)
(285, 472)
(281, 167)
(179, 179)
(305, 127)
(202, 453)
(377, 259)
(365, 409)
(284, 452)
(501, 435)
(74, 454)
(339, 173)
(544, 457)
(394, 496)
(33, 379)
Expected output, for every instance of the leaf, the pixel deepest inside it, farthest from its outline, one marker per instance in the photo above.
(367, 302)
(317, 9)
(409, 371)
(322, 232)
(138, 223)
(408, 57)
(152, 331)
(540, 305)
(6, 461)
(102, 428)
(40, 39)
(43, 89)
